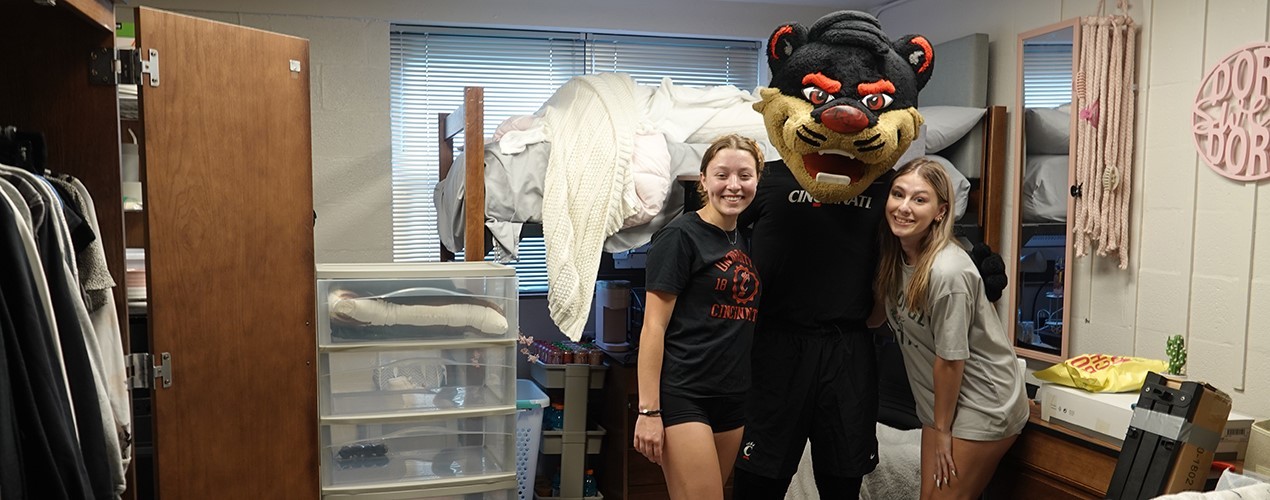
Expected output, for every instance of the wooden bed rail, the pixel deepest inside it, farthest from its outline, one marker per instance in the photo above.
(468, 118)
(992, 177)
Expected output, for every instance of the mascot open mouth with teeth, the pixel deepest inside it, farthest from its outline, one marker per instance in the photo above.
(841, 110)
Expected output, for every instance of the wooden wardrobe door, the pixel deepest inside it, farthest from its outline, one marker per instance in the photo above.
(229, 204)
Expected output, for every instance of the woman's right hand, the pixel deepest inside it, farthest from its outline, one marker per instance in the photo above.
(649, 437)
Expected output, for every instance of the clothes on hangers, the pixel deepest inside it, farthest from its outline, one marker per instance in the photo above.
(22, 149)
(98, 285)
(62, 382)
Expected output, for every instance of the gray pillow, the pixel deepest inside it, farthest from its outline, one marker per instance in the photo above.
(1047, 131)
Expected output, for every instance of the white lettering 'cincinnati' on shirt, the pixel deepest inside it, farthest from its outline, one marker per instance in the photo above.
(802, 196)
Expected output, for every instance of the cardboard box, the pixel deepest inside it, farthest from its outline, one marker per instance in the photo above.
(1175, 429)
(1234, 440)
(1102, 415)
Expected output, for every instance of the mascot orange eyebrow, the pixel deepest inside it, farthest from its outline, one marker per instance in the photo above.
(842, 104)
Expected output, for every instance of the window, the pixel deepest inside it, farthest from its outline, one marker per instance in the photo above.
(519, 71)
(1047, 74)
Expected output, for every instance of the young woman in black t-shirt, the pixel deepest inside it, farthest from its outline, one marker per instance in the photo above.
(702, 303)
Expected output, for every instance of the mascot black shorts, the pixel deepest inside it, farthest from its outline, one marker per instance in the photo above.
(818, 385)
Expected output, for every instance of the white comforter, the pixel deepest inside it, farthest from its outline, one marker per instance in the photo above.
(590, 191)
(895, 478)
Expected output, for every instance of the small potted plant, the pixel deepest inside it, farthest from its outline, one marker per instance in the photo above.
(1175, 347)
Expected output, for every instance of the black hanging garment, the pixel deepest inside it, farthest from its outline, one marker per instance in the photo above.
(49, 454)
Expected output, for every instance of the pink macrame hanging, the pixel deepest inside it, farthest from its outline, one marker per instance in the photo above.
(1104, 133)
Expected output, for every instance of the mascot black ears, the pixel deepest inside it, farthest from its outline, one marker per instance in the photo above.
(842, 104)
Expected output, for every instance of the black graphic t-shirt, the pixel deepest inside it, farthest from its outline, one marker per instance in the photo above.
(707, 351)
(817, 259)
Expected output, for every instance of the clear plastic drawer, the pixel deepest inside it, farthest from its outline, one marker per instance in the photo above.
(424, 494)
(403, 381)
(437, 450)
(376, 303)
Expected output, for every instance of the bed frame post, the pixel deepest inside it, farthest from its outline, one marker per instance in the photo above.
(445, 148)
(474, 182)
(992, 182)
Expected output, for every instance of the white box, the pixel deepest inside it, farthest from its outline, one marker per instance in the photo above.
(1103, 415)
(1234, 439)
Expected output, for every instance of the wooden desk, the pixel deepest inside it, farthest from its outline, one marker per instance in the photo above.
(624, 473)
(1052, 462)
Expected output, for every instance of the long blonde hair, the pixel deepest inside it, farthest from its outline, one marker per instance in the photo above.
(891, 263)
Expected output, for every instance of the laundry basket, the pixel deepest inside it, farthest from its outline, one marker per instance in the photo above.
(530, 400)
(1258, 460)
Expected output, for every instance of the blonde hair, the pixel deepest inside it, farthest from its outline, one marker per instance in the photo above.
(730, 141)
(891, 262)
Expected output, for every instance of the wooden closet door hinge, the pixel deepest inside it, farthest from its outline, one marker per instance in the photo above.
(142, 371)
(105, 67)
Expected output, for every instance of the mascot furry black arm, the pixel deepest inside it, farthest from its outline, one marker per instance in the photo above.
(841, 110)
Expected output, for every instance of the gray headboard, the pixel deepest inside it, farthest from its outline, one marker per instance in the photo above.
(961, 79)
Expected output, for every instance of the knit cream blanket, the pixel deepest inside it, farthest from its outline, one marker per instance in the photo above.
(591, 123)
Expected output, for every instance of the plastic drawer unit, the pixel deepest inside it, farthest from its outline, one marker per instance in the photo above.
(417, 380)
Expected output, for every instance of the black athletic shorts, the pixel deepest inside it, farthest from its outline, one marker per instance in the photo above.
(722, 413)
(819, 385)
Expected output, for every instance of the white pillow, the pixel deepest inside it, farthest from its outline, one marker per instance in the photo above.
(1047, 131)
(1044, 195)
(946, 124)
(916, 149)
(960, 185)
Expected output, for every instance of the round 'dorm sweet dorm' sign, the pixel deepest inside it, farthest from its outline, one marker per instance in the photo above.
(1231, 117)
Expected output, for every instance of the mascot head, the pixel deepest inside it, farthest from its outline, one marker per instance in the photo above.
(842, 105)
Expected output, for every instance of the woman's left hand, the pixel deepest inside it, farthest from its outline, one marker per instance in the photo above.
(945, 469)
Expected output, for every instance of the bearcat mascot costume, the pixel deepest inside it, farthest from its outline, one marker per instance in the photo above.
(841, 110)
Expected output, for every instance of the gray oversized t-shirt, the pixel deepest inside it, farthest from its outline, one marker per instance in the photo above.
(960, 325)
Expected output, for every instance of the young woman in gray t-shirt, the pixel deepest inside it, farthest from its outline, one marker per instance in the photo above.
(965, 380)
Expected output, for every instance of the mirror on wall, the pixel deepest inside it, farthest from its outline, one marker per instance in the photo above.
(1044, 131)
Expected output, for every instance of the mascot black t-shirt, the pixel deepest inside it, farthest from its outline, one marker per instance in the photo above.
(708, 339)
(806, 249)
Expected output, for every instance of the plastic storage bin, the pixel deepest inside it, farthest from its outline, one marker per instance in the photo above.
(447, 493)
(418, 451)
(416, 380)
(378, 303)
(399, 381)
(552, 376)
(1258, 460)
(553, 441)
(530, 400)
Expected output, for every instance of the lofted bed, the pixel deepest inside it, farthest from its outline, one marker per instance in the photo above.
(490, 201)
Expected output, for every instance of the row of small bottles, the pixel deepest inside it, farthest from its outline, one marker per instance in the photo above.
(567, 352)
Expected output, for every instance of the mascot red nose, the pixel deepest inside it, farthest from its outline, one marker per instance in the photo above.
(842, 105)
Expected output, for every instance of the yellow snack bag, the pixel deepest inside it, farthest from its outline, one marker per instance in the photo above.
(1102, 372)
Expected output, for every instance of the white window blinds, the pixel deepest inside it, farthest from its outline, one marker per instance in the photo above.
(519, 71)
(1047, 75)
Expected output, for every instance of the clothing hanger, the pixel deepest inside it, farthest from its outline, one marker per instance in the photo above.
(25, 150)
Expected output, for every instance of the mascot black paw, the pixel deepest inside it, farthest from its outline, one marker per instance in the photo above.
(842, 105)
